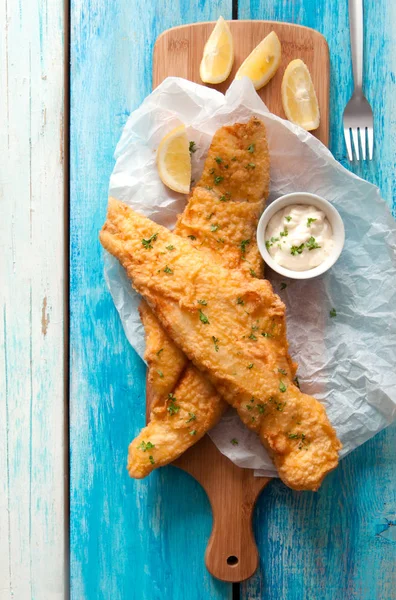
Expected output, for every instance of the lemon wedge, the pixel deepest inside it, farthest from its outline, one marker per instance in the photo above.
(299, 97)
(174, 160)
(218, 54)
(263, 62)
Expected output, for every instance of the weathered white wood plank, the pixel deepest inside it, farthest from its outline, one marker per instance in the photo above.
(32, 301)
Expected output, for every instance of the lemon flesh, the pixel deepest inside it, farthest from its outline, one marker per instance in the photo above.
(299, 97)
(263, 62)
(174, 160)
(218, 54)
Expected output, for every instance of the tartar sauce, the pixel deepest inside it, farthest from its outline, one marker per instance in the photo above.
(299, 237)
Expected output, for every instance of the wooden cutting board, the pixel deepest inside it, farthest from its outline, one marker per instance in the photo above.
(232, 554)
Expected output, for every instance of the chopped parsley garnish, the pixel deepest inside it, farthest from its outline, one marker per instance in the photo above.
(223, 198)
(203, 302)
(310, 220)
(218, 179)
(261, 408)
(209, 187)
(192, 417)
(271, 242)
(296, 436)
(240, 301)
(267, 335)
(282, 371)
(288, 219)
(221, 240)
(249, 406)
(160, 373)
(170, 248)
(284, 233)
(148, 243)
(203, 318)
(234, 442)
(252, 337)
(299, 436)
(252, 273)
(192, 237)
(214, 227)
(193, 432)
(250, 366)
(215, 340)
(251, 148)
(278, 404)
(283, 285)
(168, 270)
(226, 166)
(312, 244)
(172, 407)
(192, 147)
(211, 171)
(297, 249)
(243, 245)
(333, 313)
(159, 351)
(234, 158)
(151, 459)
(218, 160)
(282, 387)
(250, 166)
(145, 446)
(296, 382)
(210, 216)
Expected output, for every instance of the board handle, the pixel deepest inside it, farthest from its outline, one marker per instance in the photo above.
(232, 554)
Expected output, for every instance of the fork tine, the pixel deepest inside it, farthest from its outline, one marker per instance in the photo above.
(362, 131)
(355, 142)
(370, 135)
(347, 137)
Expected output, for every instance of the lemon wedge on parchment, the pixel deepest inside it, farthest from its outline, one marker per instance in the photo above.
(174, 160)
(262, 63)
(299, 97)
(218, 54)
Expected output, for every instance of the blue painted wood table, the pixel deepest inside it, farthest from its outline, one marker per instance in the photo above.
(146, 539)
(143, 539)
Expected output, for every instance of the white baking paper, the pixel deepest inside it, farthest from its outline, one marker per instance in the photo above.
(347, 362)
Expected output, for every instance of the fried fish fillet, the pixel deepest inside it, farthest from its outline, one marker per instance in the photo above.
(220, 220)
(241, 347)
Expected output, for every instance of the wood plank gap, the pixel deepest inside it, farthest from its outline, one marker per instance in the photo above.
(236, 587)
(234, 10)
(66, 354)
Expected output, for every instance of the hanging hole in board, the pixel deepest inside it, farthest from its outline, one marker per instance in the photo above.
(232, 561)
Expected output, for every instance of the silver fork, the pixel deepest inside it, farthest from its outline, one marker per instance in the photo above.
(358, 115)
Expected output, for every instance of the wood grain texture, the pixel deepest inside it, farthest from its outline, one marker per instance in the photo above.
(129, 539)
(233, 491)
(231, 554)
(33, 475)
(178, 52)
(341, 542)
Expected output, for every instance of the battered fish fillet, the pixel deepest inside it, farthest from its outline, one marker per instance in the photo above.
(220, 220)
(241, 347)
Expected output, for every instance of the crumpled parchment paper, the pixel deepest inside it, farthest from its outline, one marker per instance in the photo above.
(347, 362)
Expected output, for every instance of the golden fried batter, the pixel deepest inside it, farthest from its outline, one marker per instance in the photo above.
(220, 220)
(242, 347)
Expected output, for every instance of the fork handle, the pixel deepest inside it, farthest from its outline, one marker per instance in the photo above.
(356, 29)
